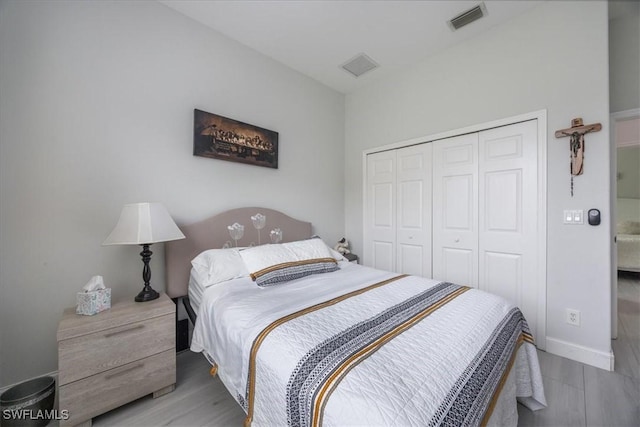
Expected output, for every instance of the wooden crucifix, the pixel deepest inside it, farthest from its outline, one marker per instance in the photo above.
(576, 132)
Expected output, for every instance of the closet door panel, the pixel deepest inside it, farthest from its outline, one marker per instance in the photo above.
(502, 274)
(380, 218)
(383, 255)
(457, 198)
(413, 229)
(455, 210)
(507, 217)
(411, 259)
(383, 196)
(503, 200)
(457, 266)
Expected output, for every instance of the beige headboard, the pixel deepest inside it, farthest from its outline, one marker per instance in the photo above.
(212, 233)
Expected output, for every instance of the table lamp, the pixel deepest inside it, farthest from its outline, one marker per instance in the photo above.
(144, 224)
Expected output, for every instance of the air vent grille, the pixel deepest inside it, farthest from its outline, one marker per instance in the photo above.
(359, 65)
(466, 18)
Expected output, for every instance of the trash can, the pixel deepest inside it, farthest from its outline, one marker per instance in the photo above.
(29, 403)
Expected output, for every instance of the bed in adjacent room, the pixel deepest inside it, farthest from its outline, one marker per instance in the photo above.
(299, 336)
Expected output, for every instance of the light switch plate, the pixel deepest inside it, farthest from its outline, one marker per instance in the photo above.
(573, 216)
(568, 217)
(578, 216)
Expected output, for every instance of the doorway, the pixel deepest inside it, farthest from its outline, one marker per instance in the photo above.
(625, 137)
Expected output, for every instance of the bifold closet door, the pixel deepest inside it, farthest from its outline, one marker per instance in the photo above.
(398, 210)
(413, 218)
(455, 210)
(380, 217)
(508, 215)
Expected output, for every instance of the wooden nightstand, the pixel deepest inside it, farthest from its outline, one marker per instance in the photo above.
(115, 356)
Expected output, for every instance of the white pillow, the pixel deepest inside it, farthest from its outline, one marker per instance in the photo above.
(275, 263)
(219, 265)
(337, 255)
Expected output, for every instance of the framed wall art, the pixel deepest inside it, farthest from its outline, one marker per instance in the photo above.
(222, 138)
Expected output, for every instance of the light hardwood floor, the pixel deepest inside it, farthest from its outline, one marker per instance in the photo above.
(577, 394)
(581, 395)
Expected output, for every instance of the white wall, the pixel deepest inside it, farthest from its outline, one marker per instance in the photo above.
(553, 57)
(624, 55)
(96, 110)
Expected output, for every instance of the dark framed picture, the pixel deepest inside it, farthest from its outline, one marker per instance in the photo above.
(222, 138)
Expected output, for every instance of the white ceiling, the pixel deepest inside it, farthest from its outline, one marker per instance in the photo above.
(317, 37)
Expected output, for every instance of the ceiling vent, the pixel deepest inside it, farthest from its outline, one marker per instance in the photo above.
(359, 65)
(468, 17)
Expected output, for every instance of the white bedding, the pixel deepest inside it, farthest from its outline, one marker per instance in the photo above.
(196, 290)
(407, 381)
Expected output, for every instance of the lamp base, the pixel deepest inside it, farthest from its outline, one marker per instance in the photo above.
(147, 295)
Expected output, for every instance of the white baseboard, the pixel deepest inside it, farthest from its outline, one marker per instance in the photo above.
(599, 359)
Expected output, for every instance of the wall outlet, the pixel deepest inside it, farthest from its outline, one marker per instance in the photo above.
(573, 317)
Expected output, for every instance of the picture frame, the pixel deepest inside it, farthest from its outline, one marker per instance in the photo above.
(219, 137)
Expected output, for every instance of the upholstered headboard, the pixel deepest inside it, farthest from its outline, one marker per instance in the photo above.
(212, 233)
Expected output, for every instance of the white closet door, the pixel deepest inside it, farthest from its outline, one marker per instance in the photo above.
(455, 210)
(508, 215)
(413, 183)
(380, 218)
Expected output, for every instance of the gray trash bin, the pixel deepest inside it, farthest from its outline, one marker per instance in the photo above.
(29, 403)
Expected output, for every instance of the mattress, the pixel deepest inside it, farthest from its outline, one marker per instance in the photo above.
(196, 290)
(364, 346)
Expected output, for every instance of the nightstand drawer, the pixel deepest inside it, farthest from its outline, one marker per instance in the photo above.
(93, 353)
(97, 394)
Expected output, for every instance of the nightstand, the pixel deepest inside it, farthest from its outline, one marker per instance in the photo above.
(351, 258)
(115, 356)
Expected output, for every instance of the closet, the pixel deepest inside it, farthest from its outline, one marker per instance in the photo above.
(462, 209)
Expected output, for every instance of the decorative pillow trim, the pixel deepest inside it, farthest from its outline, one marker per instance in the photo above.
(293, 270)
(284, 265)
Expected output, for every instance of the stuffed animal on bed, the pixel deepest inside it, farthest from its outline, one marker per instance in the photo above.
(342, 247)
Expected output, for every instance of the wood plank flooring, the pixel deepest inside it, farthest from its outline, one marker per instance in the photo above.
(581, 395)
(577, 394)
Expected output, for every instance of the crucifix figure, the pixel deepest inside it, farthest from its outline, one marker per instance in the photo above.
(576, 145)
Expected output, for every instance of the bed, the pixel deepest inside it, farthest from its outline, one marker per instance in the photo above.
(300, 336)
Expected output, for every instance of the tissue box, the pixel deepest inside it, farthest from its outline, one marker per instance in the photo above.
(93, 302)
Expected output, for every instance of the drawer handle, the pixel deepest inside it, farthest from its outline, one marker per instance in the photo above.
(133, 328)
(124, 371)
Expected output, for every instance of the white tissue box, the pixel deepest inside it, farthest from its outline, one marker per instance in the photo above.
(93, 302)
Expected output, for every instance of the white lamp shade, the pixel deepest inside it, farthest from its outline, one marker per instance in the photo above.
(144, 223)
